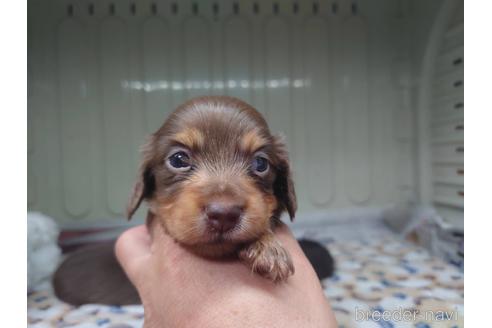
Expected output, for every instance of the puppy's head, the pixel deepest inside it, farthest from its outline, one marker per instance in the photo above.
(213, 174)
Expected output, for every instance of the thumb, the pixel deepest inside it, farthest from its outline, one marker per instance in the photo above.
(132, 250)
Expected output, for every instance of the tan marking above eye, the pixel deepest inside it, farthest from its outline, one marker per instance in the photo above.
(191, 138)
(252, 141)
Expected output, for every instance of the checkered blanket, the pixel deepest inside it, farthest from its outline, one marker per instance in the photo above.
(380, 281)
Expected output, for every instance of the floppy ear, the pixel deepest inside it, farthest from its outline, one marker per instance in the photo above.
(145, 185)
(283, 185)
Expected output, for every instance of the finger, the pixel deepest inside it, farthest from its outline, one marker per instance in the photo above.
(132, 249)
(283, 230)
(162, 243)
(284, 234)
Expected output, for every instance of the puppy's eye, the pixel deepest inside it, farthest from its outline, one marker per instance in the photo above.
(260, 164)
(179, 161)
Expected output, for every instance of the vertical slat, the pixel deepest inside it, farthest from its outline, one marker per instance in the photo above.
(277, 59)
(337, 103)
(99, 208)
(297, 143)
(115, 108)
(31, 183)
(157, 78)
(31, 178)
(45, 158)
(74, 120)
(30, 109)
(258, 44)
(197, 56)
(357, 171)
(176, 52)
(237, 45)
(318, 113)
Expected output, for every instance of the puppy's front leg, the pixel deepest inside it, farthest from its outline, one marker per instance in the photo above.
(268, 258)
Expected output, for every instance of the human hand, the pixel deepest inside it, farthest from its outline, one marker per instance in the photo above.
(181, 289)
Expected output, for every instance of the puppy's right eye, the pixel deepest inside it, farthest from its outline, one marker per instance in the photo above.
(179, 161)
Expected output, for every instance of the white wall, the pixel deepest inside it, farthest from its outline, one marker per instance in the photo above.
(334, 78)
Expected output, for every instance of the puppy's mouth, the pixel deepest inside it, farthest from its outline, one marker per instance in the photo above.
(213, 243)
(213, 236)
(217, 239)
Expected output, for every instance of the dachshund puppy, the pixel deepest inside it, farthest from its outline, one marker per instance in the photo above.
(217, 180)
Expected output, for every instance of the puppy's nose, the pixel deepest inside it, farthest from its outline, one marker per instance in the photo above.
(223, 217)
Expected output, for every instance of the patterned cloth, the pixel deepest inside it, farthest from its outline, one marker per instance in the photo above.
(380, 281)
(386, 283)
(45, 310)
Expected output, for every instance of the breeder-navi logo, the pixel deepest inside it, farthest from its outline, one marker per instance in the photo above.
(401, 314)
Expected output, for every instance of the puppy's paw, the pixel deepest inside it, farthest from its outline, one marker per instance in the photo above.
(268, 258)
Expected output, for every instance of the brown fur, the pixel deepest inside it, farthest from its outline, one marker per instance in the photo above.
(222, 136)
(252, 141)
(267, 257)
(191, 138)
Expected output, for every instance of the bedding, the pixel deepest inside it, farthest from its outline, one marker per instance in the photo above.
(387, 283)
(380, 281)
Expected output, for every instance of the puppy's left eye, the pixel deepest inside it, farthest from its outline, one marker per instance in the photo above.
(260, 164)
(179, 161)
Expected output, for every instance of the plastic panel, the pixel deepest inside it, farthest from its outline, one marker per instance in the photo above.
(325, 78)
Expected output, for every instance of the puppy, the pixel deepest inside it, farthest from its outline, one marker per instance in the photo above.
(217, 180)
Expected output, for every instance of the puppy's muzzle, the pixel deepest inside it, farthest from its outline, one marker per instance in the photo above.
(223, 216)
